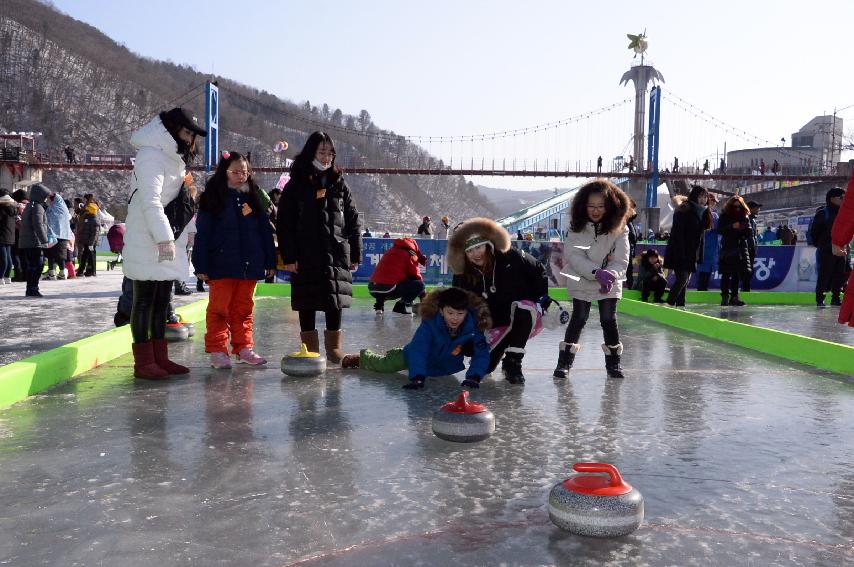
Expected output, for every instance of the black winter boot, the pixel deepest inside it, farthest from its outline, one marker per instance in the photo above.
(565, 358)
(512, 365)
(724, 299)
(612, 360)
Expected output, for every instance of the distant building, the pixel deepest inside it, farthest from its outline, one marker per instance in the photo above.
(815, 148)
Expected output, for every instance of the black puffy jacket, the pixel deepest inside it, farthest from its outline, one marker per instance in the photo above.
(318, 229)
(516, 276)
(734, 257)
(685, 246)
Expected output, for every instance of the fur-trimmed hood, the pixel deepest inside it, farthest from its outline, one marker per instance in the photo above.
(488, 228)
(679, 201)
(430, 307)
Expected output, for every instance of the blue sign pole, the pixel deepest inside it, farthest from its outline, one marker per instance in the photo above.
(212, 123)
(652, 146)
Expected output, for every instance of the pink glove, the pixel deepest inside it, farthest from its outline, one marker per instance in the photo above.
(606, 280)
(846, 312)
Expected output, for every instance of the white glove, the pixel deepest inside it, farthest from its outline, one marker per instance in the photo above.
(166, 251)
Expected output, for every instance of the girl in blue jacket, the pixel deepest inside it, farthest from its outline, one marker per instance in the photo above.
(232, 250)
(452, 326)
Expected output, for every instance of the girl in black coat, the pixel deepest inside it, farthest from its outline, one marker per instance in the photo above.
(319, 239)
(685, 248)
(483, 262)
(734, 259)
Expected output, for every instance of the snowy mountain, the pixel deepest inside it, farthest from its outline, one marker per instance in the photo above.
(66, 79)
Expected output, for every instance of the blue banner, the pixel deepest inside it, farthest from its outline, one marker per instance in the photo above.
(771, 267)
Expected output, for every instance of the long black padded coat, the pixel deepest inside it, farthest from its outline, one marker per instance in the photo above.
(685, 246)
(318, 229)
(734, 256)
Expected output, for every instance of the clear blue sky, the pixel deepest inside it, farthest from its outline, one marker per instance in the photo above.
(449, 67)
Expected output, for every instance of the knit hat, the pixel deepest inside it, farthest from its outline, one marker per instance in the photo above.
(476, 240)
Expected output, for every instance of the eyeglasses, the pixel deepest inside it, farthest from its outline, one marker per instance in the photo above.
(238, 172)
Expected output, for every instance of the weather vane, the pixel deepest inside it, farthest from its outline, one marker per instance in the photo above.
(638, 43)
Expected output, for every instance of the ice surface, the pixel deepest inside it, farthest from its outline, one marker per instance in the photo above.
(807, 320)
(742, 459)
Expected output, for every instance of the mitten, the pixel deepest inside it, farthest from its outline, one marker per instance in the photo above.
(471, 382)
(606, 280)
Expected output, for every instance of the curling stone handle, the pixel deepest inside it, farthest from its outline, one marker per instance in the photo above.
(616, 479)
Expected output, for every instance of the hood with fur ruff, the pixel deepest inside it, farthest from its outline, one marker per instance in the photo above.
(477, 226)
(430, 307)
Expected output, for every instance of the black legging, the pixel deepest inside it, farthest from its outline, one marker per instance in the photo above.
(677, 290)
(148, 314)
(307, 320)
(607, 317)
(729, 284)
(516, 337)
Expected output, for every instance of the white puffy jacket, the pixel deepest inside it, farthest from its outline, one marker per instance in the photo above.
(157, 176)
(585, 251)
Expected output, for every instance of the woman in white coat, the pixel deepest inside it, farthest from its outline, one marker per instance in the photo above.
(165, 146)
(595, 258)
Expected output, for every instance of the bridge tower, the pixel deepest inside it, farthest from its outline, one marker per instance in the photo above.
(641, 73)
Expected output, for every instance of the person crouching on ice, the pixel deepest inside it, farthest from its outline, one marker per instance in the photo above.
(452, 326)
(398, 276)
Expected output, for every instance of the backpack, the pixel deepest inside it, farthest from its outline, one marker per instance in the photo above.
(810, 235)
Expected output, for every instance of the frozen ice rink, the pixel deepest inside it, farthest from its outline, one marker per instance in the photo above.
(742, 459)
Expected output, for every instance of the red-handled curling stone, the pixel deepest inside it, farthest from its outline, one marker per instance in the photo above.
(176, 332)
(598, 505)
(463, 421)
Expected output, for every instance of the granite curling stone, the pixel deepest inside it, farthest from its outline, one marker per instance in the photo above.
(463, 421)
(595, 505)
(191, 328)
(303, 363)
(176, 332)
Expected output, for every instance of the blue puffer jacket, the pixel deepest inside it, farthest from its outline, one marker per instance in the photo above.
(433, 352)
(233, 245)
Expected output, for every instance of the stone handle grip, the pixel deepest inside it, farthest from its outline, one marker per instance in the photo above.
(616, 479)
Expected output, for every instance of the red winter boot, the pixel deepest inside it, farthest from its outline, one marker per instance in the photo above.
(161, 357)
(144, 365)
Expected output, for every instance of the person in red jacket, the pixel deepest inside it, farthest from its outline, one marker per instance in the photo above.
(398, 276)
(840, 237)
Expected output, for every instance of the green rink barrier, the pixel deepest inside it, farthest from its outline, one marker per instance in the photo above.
(560, 294)
(797, 348)
(47, 369)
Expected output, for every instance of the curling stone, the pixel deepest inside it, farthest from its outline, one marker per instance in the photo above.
(303, 363)
(191, 328)
(596, 505)
(176, 332)
(463, 421)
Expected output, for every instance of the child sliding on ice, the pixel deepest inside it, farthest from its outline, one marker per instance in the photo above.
(452, 325)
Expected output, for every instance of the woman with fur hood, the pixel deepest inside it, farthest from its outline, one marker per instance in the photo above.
(595, 258)
(691, 219)
(452, 325)
(511, 281)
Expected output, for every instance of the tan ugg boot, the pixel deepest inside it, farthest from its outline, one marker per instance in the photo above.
(332, 341)
(310, 340)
